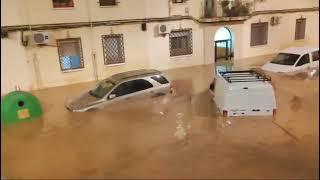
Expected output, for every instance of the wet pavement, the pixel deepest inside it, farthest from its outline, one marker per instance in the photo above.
(174, 136)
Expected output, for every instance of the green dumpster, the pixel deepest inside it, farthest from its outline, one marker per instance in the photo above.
(20, 106)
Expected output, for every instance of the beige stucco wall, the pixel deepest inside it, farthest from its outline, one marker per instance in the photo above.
(284, 4)
(47, 60)
(135, 45)
(158, 47)
(191, 7)
(280, 36)
(209, 33)
(15, 67)
(143, 49)
(13, 12)
(38, 67)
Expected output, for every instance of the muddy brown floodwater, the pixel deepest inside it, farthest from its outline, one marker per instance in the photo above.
(175, 136)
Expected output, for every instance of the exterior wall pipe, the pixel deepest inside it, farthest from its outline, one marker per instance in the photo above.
(139, 21)
(93, 51)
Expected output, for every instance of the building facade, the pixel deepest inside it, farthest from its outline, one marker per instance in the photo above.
(89, 40)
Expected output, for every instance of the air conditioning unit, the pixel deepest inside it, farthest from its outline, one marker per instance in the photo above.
(40, 38)
(163, 29)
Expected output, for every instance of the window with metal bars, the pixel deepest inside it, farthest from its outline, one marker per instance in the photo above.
(300, 29)
(62, 3)
(107, 2)
(70, 54)
(113, 49)
(180, 42)
(259, 34)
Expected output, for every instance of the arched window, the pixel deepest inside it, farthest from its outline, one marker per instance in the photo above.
(222, 34)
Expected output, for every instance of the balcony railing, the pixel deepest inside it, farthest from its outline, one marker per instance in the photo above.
(227, 8)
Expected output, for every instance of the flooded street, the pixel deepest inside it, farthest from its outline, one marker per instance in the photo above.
(174, 136)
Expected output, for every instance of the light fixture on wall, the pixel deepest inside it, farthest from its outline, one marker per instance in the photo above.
(4, 34)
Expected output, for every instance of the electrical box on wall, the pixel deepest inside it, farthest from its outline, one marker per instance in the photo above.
(275, 20)
(144, 26)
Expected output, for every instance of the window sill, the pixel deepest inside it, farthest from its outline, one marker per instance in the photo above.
(179, 4)
(63, 8)
(111, 6)
(258, 46)
(299, 40)
(180, 57)
(72, 70)
(111, 65)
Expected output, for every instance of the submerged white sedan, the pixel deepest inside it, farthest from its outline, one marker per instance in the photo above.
(293, 60)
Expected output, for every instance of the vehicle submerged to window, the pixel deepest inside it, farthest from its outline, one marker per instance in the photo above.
(132, 84)
(294, 59)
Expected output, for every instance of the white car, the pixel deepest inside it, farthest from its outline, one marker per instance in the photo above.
(294, 60)
(132, 84)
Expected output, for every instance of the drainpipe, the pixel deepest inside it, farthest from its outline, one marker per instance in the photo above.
(35, 60)
(36, 69)
(93, 52)
(169, 8)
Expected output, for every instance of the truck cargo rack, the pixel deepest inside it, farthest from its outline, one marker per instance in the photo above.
(244, 76)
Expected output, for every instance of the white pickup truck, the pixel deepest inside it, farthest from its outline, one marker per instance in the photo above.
(293, 60)
(243, 93)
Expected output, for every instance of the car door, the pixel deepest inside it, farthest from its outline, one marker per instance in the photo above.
(302, 63)
(315, 59)
(142, 89)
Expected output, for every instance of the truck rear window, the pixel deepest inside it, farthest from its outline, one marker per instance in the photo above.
(160, 79)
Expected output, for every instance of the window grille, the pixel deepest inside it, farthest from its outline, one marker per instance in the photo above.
(259, 34)
(70, 54)
(113, 49)
(107, 2)
(180, 42)
(300, 29)
(62, 3)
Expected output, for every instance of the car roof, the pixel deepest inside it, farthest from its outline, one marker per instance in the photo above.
(133, 74)
(300, 50)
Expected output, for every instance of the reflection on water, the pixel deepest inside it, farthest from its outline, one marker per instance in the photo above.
(23, 130)
(181, 129)
(138, 139)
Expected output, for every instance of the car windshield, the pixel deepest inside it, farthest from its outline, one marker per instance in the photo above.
(285, 59)
(102, 89)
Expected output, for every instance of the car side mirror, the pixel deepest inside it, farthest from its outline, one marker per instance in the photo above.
(112, 96)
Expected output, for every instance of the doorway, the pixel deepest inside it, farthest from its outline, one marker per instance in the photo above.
(223, 45)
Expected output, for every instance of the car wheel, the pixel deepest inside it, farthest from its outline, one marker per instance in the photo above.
(161, 94)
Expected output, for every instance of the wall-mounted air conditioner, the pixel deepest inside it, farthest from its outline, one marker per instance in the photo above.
(163, 29)
(40, 38)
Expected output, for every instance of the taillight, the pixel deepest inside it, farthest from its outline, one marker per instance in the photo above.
(171, 89)
(274, 111)
(224, 113)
